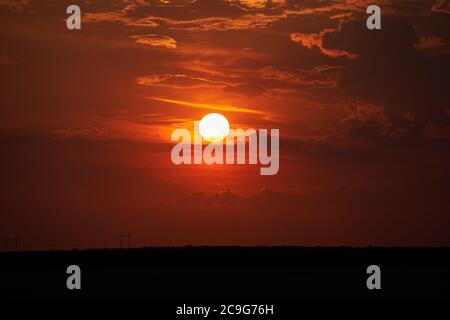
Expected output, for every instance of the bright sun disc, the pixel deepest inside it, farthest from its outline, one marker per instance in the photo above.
(214, 127)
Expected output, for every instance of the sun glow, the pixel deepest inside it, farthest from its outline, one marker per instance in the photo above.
(214, 127)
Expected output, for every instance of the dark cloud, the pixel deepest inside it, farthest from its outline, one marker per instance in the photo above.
(392, 73)
(319, 76)
(324, 217)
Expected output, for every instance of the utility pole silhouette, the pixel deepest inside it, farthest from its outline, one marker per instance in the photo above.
(125, 240)
(10, 244)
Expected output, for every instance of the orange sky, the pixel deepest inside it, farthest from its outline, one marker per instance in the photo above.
(87, 115)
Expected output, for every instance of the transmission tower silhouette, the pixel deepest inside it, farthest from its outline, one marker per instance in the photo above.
(9, 244)
(125, 239)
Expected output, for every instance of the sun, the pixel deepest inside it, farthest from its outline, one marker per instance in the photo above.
(214, 127)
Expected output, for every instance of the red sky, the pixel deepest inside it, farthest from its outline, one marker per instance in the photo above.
(363, 115)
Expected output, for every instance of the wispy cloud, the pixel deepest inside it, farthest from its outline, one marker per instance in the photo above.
(227, 108)
(430, 42)
(15, 5)
(180, 81)
(6, 60)
(316, 40)
(155, 40)
(318, 76)
(442, 6)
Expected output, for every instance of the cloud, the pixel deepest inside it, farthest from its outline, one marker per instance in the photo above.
(432, 45)
(320, 218)
(120, 16)
(227, 108)
(430, 42)
(392, 73)
(155, 40)
(94, 134)
(246, 89)
(318, 76)
(204, 15)
(261, 4)
(345, 15)
(15, 5)
(6, 60)
(248, 21)
(180, 81)
(337, 9)
(316, 40)
(442, 6)
(220, 15)
(253, 3)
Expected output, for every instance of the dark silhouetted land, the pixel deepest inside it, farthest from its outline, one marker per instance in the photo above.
(224, 274)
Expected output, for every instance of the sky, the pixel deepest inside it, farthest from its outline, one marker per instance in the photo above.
(86, 119)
